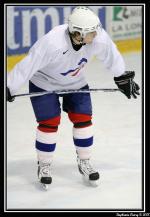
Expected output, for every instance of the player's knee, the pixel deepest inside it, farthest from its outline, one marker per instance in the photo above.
(80, 120)
(49, 125)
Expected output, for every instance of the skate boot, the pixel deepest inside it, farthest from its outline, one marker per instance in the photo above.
(44, 174)
(89, 174)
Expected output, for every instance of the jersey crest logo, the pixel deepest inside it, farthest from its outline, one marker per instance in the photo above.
(75, 71)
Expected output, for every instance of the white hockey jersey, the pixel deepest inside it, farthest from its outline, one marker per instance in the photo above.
(53, 64)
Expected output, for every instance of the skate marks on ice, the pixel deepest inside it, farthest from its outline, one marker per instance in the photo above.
(63, 174)
(64, 192)
(118, 186)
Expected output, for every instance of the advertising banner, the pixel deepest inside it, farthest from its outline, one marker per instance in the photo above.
(26, 24)
(124, 22)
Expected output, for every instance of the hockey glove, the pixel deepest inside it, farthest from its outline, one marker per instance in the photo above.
(9, 97)
(126, 84)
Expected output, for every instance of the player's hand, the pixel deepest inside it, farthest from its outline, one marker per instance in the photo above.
(127, 85)
(9, 97)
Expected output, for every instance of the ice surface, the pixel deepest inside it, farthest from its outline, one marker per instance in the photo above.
(117, 152)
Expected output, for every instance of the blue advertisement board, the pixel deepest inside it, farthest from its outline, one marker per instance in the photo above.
(26, 24)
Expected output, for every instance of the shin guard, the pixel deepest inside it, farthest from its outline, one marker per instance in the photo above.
(46, 138)
(82, 134)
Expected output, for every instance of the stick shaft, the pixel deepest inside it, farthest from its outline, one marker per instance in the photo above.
(67, 92)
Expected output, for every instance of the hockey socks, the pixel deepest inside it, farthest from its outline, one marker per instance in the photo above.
(83, 141)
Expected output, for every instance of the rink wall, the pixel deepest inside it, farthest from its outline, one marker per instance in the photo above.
(124, 25)
(26, 24)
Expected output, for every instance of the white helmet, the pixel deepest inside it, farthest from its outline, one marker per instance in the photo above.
(83, 20)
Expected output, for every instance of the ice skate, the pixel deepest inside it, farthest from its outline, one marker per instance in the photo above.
(44, 174)
(89, 174)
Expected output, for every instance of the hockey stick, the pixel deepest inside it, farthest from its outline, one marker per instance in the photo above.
(66, 92)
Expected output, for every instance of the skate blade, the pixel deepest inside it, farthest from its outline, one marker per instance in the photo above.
(45, 186)
(94, 183)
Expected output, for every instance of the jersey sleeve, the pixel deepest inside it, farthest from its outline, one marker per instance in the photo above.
(107, 52)
(38, 57)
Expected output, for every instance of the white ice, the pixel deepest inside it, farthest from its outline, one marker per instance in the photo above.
(117, 152)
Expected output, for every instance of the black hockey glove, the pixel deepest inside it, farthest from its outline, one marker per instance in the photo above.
(9, 97)
(126, 84)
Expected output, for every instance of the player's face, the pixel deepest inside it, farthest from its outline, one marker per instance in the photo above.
(89, 37)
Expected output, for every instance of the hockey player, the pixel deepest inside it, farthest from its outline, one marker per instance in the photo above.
(56, 62)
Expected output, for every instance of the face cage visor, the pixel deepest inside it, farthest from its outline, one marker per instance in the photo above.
(84, 31)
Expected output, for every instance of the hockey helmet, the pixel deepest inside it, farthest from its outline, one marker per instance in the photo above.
(83, 20)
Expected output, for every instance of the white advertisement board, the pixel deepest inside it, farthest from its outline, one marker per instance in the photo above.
(124, 22)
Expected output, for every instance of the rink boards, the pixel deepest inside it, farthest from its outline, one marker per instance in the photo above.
(26, 24)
